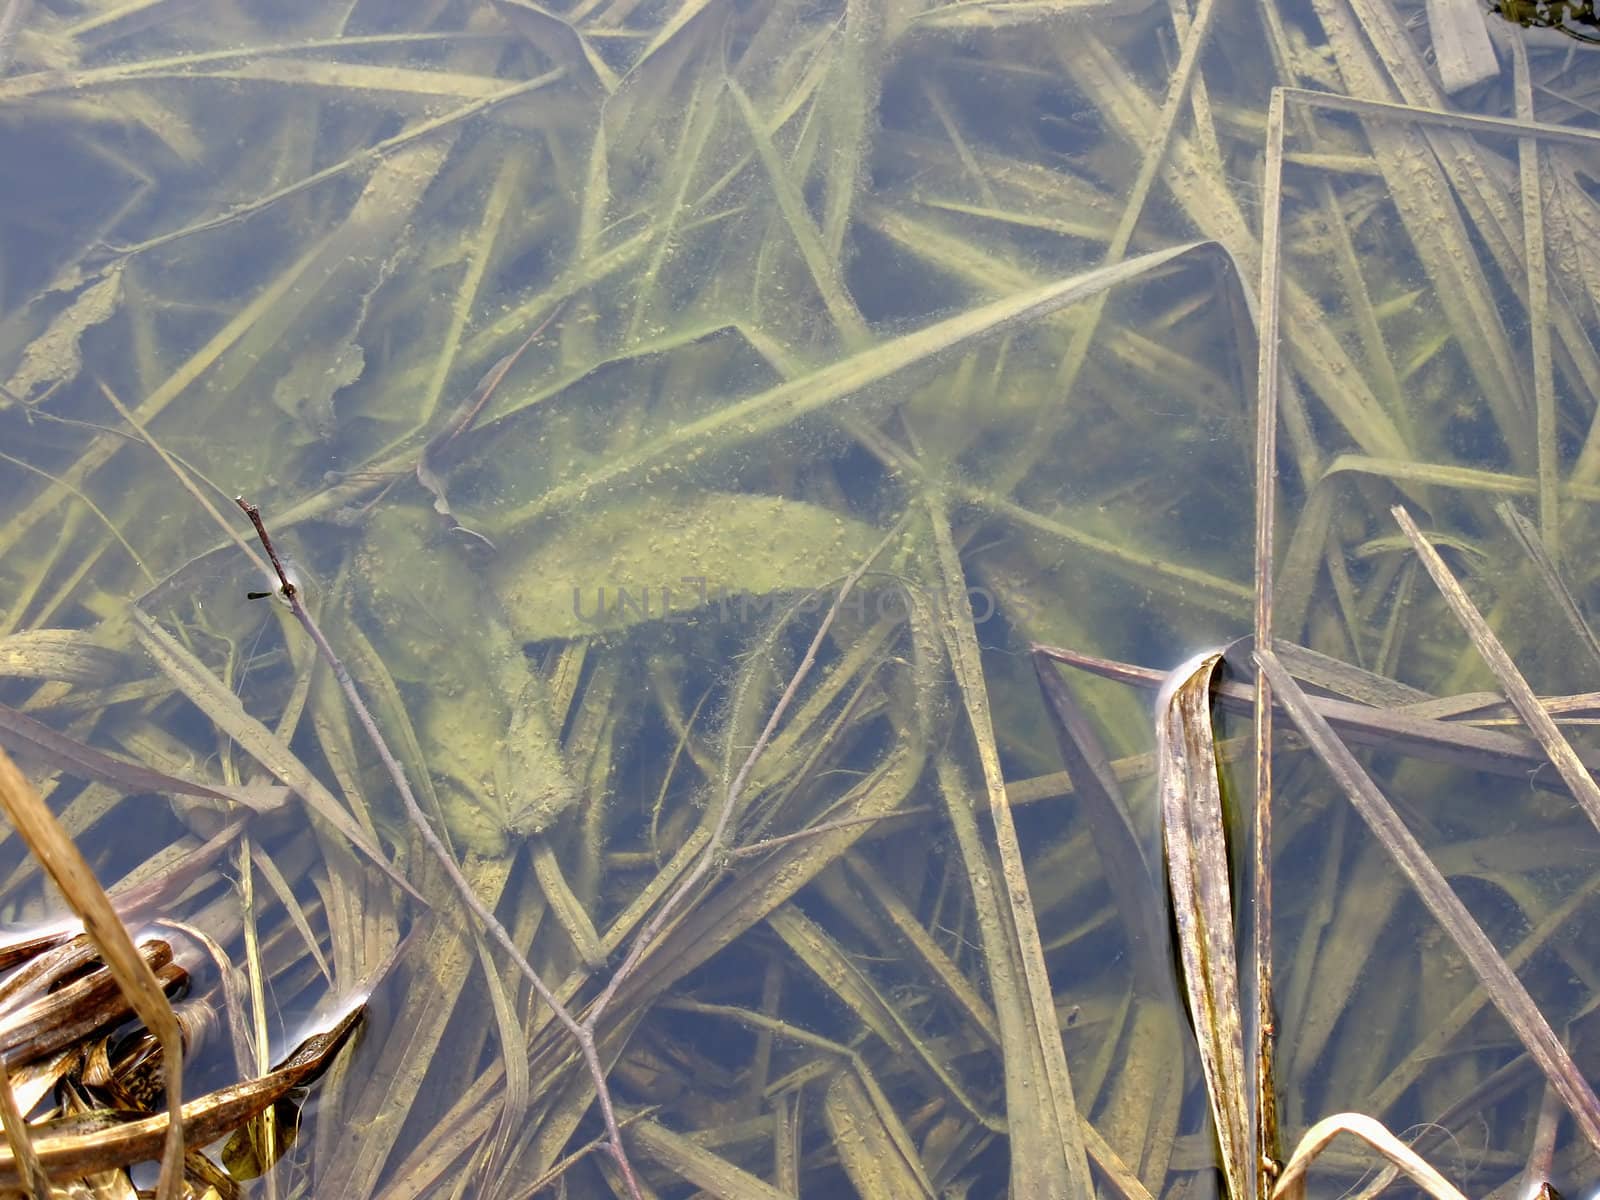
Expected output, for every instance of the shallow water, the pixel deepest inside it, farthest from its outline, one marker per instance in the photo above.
(684, 313)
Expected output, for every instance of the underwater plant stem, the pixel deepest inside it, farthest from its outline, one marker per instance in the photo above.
(582, 1033)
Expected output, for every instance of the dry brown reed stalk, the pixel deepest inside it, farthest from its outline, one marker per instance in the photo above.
(1193, 834)
(72, 1154)
(1291, 1184)
(20, 1140)
(60, 858)
(583, 1032)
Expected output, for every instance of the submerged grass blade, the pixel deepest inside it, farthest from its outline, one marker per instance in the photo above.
(1193, 832)
(75, 758)
(1048, 1156)
(1539, 722)
(959, 990)
(565, 906)
(1503, 986)
(712, 1174)
(1264, 1129)
(211, 697)
(823, 266)
(877, 1157)
(445, 964)
(105, 446)
(826, 959)
(1127, 873)
(773, 410)
(1437, 1042)
(1528, 538)
(1153, 155)
(1547, 460)
(1125, 557)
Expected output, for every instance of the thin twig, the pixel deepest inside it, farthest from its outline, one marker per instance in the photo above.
(582, 1033)
(811, 831)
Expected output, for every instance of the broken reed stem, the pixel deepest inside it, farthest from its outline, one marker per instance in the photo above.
(1292, 1186)
(21, 1141)
(61, 859)
(581, 1033)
